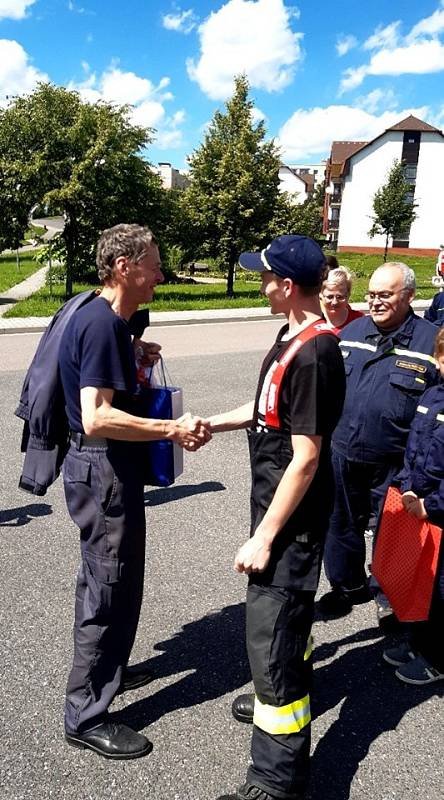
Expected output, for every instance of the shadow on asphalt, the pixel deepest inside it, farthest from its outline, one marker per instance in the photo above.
(157, 497)
(15, 517)
(214, 648)
(373, 701)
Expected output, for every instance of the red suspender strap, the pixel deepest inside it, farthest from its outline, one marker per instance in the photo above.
(277, 370)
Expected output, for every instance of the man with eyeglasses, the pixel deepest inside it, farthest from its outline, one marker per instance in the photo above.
(388, 359)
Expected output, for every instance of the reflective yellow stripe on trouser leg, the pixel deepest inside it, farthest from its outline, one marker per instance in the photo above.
(282, 719)
(290, 718)
(309, 648)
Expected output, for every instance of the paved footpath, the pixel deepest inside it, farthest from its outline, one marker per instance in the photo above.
(163, 318)
(18, 292)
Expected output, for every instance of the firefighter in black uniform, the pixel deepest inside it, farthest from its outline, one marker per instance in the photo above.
(298, 403)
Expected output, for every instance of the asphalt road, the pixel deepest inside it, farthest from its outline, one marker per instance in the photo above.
(373, 737)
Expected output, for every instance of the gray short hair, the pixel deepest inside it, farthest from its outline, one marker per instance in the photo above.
(131, 241)
(408, 276)
(338, 275)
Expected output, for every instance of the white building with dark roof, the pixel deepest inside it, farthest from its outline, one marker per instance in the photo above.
(356, 170)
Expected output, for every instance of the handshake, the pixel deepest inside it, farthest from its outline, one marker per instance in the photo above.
(190, 432)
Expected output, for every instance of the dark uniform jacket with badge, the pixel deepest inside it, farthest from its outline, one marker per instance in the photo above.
(386, 375)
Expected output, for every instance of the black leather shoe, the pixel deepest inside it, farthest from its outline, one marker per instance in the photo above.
(111, 741)
(250, 792)
(134, 677)
(243, 708)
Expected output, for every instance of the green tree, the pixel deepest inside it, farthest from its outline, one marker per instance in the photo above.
(303, 218)
(394, 212)
(232, 199)
(83, 159)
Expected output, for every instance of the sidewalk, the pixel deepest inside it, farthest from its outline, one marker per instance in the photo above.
(20, 292)
(159, 318)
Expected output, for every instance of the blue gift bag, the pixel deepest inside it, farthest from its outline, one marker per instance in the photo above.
(164, 459)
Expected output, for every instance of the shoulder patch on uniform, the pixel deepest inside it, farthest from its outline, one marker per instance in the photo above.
(410, 365)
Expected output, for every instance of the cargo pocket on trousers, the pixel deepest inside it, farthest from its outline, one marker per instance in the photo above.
(103, 577)
(290, 663)
(264, 607)
(77, 484)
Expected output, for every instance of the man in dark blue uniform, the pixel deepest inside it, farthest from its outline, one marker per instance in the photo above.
(388, 359)
(435, 312)
(298, 403)
(104, 487)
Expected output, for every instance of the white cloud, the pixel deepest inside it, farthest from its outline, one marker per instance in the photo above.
(378, 99)
(257, 115)
(17, 75)
(352, 78)
(246, 36)
(345, 43)
(168, 139)
(14, 9)
(116, 86)
(149, 113)
(420, 52)
(383, 37)
(75, 9)
(421, 58)
(181, 21)
(429, 25)
(309, 133)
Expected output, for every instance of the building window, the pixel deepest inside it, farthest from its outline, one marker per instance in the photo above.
(337, 190)
(410, 171)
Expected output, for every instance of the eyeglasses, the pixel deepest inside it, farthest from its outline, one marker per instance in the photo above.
(383, 297)
(328, 298)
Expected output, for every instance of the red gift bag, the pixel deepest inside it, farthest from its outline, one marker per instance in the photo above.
(405, 559)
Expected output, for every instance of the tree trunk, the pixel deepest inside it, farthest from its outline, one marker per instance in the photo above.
(70, 237)
(230, 278)
(386, 247)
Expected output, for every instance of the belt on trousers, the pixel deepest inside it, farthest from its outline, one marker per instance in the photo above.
(82, 440)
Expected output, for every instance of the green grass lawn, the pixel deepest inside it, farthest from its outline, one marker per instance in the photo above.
(10, 275)
(185, 297)
(362, 267)
(171, 297)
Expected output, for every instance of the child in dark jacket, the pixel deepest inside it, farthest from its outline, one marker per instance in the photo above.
(420, 660)
(435, 312)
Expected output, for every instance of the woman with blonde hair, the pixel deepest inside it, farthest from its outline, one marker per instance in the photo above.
(335, 293)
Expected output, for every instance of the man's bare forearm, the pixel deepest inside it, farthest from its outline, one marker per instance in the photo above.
(112, 423)
(100, 418)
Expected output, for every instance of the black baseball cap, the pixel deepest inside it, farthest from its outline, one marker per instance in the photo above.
(289, 256)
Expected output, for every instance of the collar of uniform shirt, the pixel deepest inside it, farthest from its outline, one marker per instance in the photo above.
(401, 335)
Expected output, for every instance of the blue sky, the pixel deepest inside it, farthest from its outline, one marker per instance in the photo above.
(318, 70)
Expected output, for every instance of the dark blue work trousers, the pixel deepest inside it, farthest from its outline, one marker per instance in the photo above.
(104, 494)
(360, 491)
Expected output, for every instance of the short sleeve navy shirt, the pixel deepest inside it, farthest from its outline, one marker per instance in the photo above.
(96, 350)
